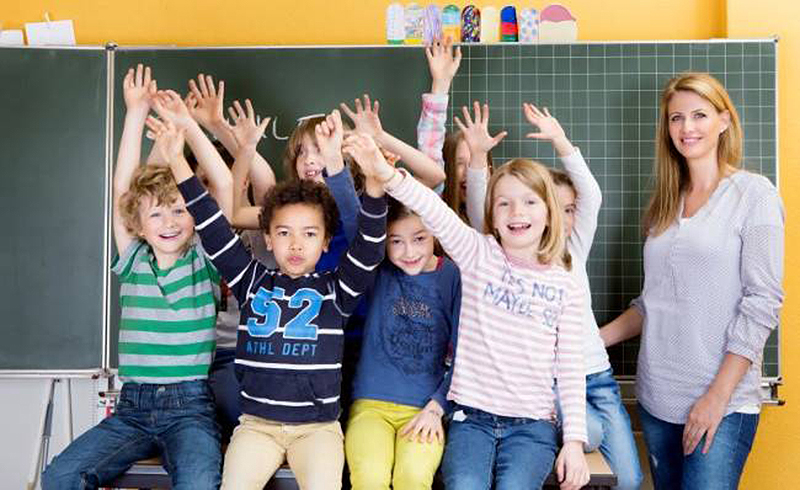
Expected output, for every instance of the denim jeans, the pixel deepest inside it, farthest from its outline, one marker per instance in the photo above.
(719, 469)
(483, 449)
(174, 420)
(609, 429)
(225, 385)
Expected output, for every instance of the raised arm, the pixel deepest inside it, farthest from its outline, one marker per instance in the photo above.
(247, 134)
(367, 121)
(138, 88)
(205, 103)
(459, 240)
(359, 266)
(480, 142)
(329, 135)
(169, 106)
(224, 247)
(589, 197)
(443, 64)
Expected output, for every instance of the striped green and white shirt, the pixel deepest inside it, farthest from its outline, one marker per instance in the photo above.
(168, 316)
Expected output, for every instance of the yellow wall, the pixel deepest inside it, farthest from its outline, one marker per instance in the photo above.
(248, 22)
(773, 463)
(252, 22)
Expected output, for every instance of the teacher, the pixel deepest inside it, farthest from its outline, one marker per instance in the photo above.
(713, 266)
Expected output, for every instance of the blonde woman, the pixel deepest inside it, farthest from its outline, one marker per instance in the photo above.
(713, 264)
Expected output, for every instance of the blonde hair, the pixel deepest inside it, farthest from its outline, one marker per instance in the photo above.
(147, 181)
(672, 172)
(535, 176)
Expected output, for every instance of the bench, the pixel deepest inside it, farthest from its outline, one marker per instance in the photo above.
(149, 473)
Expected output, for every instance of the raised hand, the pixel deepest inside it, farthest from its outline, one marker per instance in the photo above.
(170, 107)
(205, 102)
(138, 89)
(362, 148)
(443, 64)
(476, 131)
(365, 118)
(549, 128)
(168, 138)
(244, 127)
(329, 134)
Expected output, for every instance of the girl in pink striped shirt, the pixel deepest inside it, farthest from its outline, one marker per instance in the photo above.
(519, 330)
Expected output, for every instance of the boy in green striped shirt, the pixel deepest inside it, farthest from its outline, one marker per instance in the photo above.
(168, 294)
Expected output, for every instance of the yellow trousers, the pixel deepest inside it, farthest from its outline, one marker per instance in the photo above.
(259, 447)
(379, 457)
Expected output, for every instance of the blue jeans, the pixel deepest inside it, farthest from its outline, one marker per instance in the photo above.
(719, 469)
(174, 420)
(225, 385)
(483, 449)
(609, 429)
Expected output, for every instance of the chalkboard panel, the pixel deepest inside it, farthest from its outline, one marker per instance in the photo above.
(52, 191)
(287, 84)
(606, 96)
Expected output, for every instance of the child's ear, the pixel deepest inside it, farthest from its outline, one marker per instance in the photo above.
(327, 242)
(267, 240)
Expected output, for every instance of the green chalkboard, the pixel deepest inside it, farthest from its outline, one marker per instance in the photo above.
(53, 105)
(606, 95)
(287, 84)
(52, 205)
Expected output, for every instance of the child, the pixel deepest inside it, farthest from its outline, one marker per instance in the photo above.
(166, 331)
(290, 342)
(518, 305)
(608, 424)
(450, 151)
(579, 197)
(394, 434)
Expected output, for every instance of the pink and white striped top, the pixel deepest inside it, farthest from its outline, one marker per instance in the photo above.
(520, 326)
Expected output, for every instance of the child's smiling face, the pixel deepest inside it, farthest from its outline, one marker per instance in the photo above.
(409, 246)
(520, 217)
(167, 228)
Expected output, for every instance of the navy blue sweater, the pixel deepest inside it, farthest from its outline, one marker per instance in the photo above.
(289, 347)
(411, 327)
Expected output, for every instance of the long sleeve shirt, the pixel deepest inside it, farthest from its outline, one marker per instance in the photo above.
(587, 206)
(712, 286)
(519, 327)
(289, 348)
(431, 130)
(411, 324)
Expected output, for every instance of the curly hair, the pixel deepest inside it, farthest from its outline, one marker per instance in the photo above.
(147, 181)
(300, 192)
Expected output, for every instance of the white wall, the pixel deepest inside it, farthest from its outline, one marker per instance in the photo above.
(22, 407)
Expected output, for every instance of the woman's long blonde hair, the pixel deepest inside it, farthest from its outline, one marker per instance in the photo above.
(535, 176)
(672, 172)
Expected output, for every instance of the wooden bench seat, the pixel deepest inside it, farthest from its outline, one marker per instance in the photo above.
(149, 473)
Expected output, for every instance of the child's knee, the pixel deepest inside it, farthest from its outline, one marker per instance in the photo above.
(413, 476)
(60, 476)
